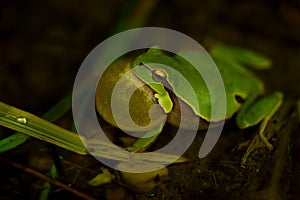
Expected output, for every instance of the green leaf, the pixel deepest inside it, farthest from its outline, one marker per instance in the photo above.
(52, 115)
(47, 186)
(32, 125)
(12, 141)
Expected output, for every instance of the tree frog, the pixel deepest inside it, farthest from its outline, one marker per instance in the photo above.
(243, 89)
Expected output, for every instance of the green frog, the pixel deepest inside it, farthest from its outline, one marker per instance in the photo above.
(245, 97)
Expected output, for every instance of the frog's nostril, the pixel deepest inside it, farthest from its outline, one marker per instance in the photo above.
(239, 99)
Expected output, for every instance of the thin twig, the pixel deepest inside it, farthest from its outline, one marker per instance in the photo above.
(46, 178)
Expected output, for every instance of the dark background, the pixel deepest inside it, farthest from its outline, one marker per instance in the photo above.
(43, 43)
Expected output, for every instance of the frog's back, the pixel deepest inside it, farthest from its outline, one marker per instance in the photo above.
(240, 84)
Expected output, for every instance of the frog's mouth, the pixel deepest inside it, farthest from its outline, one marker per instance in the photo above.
(182, 108)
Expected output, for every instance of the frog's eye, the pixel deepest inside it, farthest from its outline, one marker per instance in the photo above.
(159, 76)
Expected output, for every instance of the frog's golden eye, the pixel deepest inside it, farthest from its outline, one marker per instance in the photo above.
(159, 76)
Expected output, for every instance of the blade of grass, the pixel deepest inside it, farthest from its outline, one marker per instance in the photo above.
(12, 141)
(47, 186)
(59, 109)
(32, 125)
(51, 115)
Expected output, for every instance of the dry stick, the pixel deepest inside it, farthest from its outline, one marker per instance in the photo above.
(46, 178)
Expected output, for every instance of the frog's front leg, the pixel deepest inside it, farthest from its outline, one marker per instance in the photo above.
(261, 112)
(148, 138)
